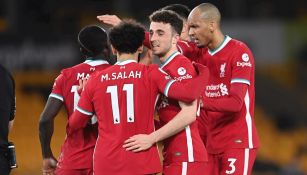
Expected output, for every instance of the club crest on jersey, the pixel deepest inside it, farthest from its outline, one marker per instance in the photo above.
(181, 71)
(245, 62)
(222, 69)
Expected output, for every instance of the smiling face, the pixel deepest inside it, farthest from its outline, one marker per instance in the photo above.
(200, 30)
(162, 38)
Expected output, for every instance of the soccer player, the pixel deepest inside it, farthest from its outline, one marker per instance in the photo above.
(184, 153)
(76, 152)
(231, 136)
(123, 98)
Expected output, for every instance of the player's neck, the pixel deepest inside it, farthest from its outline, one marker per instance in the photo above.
(217, 40)
(168, 54)
(127, 56)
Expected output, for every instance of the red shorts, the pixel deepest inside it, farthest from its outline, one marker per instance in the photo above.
(232, 161)
(185, 168)
(61, 171)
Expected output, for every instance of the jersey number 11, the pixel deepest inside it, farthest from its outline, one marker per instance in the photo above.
(114, 100)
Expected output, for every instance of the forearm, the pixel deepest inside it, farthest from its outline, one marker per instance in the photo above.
(46, 128)
(185, 117)
(78, 121)
(232, 103)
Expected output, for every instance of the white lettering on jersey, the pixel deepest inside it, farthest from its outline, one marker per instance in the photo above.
(187, 76)
(216, 90)
(121, 75)
(222, 69)
(82, 76)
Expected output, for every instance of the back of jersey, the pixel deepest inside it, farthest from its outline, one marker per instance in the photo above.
(65, 89)
(123, 98)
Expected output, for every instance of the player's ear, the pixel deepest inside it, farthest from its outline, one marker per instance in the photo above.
(175, 38)
(212, 26)
(114, 51)
(140, 49)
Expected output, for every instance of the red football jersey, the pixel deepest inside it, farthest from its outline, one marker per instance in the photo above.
(232, 62)
(185, 146)
(123, 98)
(77, 150)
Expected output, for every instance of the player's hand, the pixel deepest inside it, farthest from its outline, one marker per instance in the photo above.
(112, 20)
(49, 166)
(139, 142)
(82, 83)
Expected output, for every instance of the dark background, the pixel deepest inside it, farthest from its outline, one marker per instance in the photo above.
(38, 39)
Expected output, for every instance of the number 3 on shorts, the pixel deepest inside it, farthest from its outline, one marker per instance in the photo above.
(231, 165)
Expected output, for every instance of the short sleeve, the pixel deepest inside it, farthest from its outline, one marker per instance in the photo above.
(57, 88)
(85, 105)
(160, 79)
(183, 70)
(242, 66)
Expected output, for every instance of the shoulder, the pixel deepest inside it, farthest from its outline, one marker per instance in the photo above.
(239, 45)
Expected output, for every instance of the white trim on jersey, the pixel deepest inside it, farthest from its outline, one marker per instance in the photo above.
(170, 58)
(184, 170)
(168, 85)
(189, 144)
(248, 119)
(59, 97)
(220, 47)
(246, 161)
(94, 153)
(95, 62)
(240, 80)
(125, 62)
(84, 111)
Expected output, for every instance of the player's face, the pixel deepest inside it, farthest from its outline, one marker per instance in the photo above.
(161, 38)
(199, 29)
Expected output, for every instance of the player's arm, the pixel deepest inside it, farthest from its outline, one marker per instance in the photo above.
(185, 117)
(240, 81)
(190, 90)
(79, 119)
(84, 109)
(112, 20)
(232, 103)
(46, 127)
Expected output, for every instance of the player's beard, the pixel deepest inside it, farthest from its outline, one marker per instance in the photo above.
(162, 52)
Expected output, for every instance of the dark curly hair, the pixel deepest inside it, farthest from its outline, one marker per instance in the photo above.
(127, 37)
(168, 17)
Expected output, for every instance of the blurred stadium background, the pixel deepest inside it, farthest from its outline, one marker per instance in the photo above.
(38, 39)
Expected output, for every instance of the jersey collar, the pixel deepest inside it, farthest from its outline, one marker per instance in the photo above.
(169, 59)
(95, 62)
(220, 47)
(125, 62)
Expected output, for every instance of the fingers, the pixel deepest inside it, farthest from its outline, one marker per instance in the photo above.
(109, 19)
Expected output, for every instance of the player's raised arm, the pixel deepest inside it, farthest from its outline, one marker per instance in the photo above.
(188, 91)
(112, 20)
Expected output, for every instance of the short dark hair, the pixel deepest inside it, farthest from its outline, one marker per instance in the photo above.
(93, 40)
(182, 10)
(127, 37)
(167, 17)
